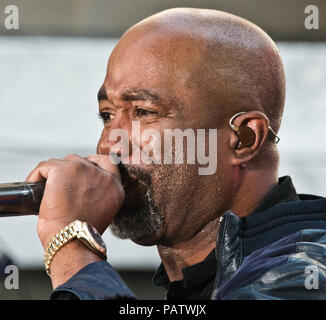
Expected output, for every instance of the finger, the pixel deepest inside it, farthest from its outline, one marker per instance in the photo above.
(73, 157)
(103, 161)
(41, 172)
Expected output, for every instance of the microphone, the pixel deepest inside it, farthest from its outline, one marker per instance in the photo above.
(20, 198)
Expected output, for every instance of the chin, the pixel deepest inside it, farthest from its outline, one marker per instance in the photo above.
(148, 240)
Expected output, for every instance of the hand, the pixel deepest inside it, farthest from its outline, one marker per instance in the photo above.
(88, 189)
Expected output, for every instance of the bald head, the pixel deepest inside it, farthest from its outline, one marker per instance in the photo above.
(193, 68)
(228, 63)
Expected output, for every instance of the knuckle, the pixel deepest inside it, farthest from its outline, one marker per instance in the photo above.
(71, 156)
(93, 156)
(47, 162)
(41, 164)
(52, 161)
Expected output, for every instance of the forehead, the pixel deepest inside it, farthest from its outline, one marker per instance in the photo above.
(150, 59)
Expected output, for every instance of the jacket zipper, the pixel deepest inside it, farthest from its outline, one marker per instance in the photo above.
(218, 253)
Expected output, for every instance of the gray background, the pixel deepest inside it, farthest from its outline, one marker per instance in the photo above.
(50, 72)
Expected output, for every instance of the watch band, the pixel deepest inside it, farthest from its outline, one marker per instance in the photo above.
(70, 232)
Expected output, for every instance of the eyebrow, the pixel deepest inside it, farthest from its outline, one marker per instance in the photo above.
(135, 95)
(140, 95)
(102, 95)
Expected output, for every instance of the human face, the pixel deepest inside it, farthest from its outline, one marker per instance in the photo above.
(148, 81)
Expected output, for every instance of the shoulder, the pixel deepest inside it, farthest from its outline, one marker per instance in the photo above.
(293, 267)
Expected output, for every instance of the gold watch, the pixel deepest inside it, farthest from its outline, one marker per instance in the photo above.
(75, 230)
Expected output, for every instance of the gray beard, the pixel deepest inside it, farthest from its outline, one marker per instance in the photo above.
(135, 223)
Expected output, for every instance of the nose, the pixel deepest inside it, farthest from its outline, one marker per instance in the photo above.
(116, 138)
(104, 145)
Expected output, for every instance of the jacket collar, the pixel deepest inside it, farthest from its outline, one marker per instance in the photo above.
(237, 238)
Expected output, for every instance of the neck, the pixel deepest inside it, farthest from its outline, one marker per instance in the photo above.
(250, 193)
(185, 254)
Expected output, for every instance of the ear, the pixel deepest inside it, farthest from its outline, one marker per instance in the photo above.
(247, 138)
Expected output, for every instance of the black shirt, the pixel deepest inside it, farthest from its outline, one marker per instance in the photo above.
(198, 279)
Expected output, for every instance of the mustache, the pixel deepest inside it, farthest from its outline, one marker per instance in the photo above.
(133, 172)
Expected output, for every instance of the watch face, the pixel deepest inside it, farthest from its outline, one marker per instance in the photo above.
(96, 236)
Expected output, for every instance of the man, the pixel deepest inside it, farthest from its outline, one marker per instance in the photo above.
(239, 233)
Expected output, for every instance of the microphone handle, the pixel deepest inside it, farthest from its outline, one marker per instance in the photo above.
(20, 198)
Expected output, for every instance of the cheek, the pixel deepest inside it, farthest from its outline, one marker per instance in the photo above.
(174, 185)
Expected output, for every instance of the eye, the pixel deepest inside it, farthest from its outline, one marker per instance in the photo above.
(140, 112)
(106, 116)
